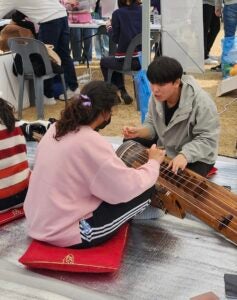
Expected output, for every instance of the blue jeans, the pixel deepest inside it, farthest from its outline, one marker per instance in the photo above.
(57, 33)
(81, 44)
(230, 19)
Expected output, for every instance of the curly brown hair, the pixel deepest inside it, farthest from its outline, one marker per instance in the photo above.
(95, 97)
(7, 117)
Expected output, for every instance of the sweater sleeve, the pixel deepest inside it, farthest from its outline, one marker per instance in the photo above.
(115, 183)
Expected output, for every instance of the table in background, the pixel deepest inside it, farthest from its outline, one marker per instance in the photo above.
(95, 24)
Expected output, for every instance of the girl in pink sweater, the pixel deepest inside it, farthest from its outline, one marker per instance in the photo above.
(80, 192)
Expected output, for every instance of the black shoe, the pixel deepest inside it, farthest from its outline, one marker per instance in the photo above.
(216, 68)
(126, 98)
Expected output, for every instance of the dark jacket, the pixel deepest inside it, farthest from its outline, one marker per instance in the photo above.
(126, 24)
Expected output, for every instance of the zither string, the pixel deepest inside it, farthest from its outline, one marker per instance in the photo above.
(143, 159)
(187, 178)
(180, 177)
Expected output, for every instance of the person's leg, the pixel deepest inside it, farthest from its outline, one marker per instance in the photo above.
(213, 30)
(200, 167)
(207, 14)
(63, 51)
(110, 62)
(76, 44)
(230, 19)
(57, 33)
(108, 218)
(49, 33)
(117, 78)
(87, 51)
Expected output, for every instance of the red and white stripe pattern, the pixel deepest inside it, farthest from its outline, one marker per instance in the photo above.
(14, 169)
(123, 55)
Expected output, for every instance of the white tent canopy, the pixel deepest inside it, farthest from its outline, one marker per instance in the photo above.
(182, 33)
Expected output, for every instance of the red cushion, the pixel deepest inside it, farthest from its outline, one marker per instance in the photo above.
(12, 214)
(103, 258)
(213, 171)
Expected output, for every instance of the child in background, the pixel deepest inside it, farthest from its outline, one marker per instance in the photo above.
(14, 170)
(125, 24)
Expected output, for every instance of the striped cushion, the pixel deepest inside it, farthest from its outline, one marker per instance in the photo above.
(14, 169)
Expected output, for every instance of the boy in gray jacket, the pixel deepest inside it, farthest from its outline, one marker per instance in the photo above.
(182, 116)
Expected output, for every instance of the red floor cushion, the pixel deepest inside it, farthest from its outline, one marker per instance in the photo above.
(103, 258)
(213, 171)
(10, 215)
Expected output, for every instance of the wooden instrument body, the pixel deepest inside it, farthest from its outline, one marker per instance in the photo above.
(188, 192)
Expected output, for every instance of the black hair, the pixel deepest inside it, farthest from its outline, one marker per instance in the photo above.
(164, 69)
(18, 16)
(126, 2)
(95, 97)
(7, 117)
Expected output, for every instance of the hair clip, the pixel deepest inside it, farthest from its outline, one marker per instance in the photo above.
(84, 97)
(87, 102)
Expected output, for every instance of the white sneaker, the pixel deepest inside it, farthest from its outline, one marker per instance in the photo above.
(210, 61)
(218, 58)
(70, 94)
(49, 101)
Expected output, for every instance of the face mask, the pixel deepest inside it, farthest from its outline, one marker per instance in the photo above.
(103, 125)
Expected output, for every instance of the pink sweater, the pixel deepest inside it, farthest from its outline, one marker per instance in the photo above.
(72, 177)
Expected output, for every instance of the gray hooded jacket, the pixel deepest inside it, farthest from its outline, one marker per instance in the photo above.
(194, 127)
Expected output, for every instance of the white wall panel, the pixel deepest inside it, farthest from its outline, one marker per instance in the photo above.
(182, 33)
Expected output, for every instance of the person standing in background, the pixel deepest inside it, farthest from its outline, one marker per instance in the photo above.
(126, 23)
(51, 15)
(229, 15)
(229, 19)
(211, 28)
(80, 38)
(81, 44)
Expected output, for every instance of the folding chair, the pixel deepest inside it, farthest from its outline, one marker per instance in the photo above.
(127, 65)
(26, 47)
